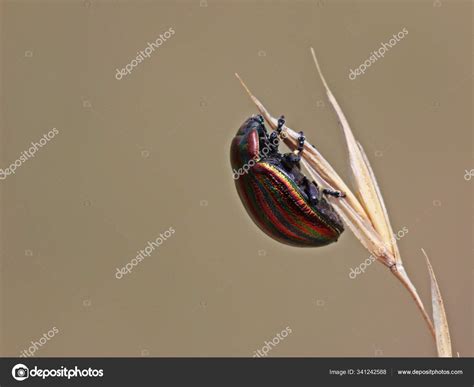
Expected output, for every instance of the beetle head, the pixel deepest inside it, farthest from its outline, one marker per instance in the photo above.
(246, 143)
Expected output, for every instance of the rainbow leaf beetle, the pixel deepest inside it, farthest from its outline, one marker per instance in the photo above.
(279, 198)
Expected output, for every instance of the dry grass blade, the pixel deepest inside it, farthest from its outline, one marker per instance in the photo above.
(367, 188)
(356, 216)
(443, 339)
(368, 192)
(349, 208)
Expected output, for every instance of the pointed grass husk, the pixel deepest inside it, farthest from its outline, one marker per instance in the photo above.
(443, 338)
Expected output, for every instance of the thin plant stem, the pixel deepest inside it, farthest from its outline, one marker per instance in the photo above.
(399, 271)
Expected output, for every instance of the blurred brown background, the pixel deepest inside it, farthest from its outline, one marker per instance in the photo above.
(136, 156)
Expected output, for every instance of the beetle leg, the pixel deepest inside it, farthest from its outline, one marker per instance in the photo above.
(281, 122)
(336, 194)
(299, 150)
(274, 138)
(277, 132)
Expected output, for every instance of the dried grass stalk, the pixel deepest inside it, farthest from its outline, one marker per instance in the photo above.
(365, 212)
